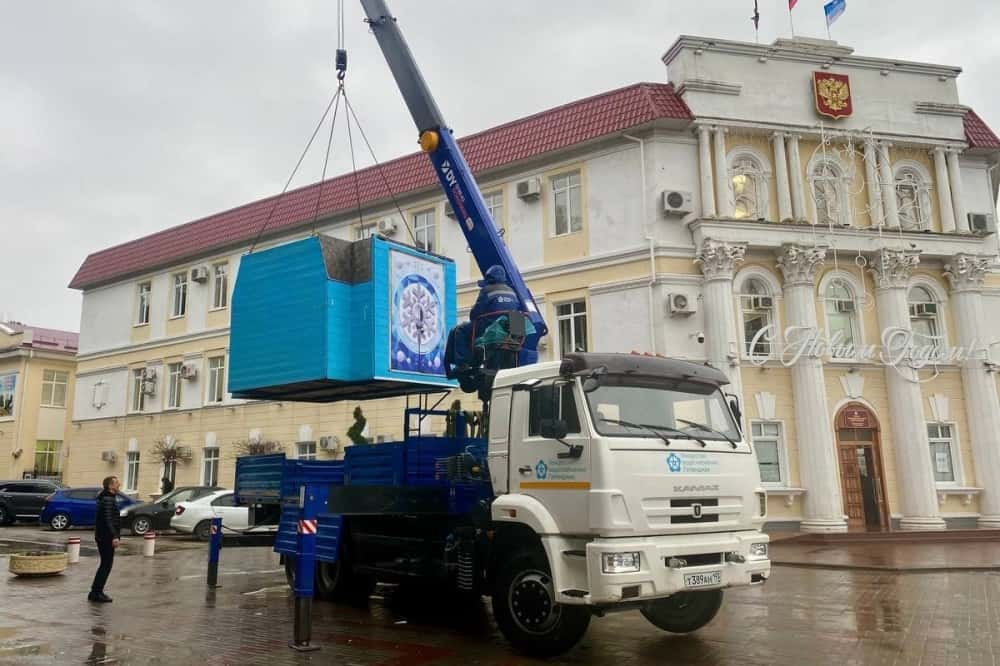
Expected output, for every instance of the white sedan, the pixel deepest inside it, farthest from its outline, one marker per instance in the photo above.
(195, 517)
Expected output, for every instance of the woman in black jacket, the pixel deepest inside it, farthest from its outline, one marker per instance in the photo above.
(107, 532)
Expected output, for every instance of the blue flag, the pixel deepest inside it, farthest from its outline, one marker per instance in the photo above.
(834, 9)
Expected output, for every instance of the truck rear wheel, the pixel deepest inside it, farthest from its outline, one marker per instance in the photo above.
(526, 612)
(684, 612)
(337, 581)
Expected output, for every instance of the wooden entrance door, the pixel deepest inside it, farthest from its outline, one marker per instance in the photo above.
(861, 469)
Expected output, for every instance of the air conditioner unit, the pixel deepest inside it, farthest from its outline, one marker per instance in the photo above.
(923, 309)
(148, 375)
(981, 223)
(149, 387)
(189, 371)
(845, 306)
(199, 274)
(448, 210)
(529, 189)
(676, 202)
(109, 456)
(761, 302)
(184, 452)
(329, 443)
(387, 227)
(681, 304)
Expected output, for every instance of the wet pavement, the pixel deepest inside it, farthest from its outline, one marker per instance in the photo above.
(163, 614)
(908, 557)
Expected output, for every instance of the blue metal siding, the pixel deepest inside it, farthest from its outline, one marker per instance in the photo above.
(330, 526)
(382, 307)
(278, 333)
(374, 464)
(259, 478)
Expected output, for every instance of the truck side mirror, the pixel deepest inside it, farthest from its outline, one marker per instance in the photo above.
(553, 428)
(734, 405)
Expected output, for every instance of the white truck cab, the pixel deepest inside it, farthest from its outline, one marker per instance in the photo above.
(633, 474)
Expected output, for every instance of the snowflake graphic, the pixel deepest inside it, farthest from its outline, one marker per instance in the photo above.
(418, 316)
(541, 469)
(674, 462)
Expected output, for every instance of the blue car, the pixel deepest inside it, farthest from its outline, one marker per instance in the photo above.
(75, 506)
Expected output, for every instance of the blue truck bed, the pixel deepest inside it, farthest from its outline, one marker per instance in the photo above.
(396, 477)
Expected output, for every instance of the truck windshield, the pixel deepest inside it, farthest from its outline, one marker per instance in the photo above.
(677, 412)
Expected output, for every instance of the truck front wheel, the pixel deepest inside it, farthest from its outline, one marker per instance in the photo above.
(684, 612)
(526, 612)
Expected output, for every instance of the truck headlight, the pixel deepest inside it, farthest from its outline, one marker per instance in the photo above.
(615, 563)
(758, 551)
(123, 513)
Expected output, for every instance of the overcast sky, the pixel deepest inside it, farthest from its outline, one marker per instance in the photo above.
(119, 119)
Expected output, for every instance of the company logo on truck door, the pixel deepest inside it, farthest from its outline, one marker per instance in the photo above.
(674, 462)
(541, 469)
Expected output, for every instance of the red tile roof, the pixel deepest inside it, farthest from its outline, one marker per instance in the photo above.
(36, 337)
(978, 133)
(561, 127)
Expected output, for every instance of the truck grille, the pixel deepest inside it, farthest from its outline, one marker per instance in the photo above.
(699, 560)
(698, 514)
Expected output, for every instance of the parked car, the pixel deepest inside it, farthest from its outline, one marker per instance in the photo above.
(75, 506)
(23, 500)
(195, 516)
(146, 516)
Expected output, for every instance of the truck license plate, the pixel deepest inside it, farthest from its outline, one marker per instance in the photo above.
(703, 579)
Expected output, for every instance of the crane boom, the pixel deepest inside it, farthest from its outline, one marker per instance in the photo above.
(453, 172)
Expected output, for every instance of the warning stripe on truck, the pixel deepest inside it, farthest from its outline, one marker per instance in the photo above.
(556, 485)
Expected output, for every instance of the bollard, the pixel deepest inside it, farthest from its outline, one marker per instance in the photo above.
(149, 544)
(305, 571)
(73, 550)
(214, 546)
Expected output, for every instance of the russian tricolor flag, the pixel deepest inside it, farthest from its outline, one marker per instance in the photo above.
(834, 10)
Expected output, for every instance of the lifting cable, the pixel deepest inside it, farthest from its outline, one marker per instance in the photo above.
(334, 103)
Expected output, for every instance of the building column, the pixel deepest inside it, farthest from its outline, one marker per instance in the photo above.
(723, 203)
(795, 178)
(781, 176)
(888, 187)
(705, 168)
(965, 273)
(872, 185)
(914, 474)
(945, 205)
(957, 193)
(718, 260)
(823, 507)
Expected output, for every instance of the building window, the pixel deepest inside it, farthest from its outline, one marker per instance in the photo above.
(306, 450)
(423, 230)
(572, 319)
(941, 442)
(47, 457)
(924, 321)
(216, 378)
(142, 302)
(8, 382)
(768, 444)
(757, 307)
(179, 306)
(841, 319)
(494, 204)
(54, 383)
(567, 203)
(220, 286)
(132, 471)
(174, 385)
(210, 467)
(749, 188)
(911, 200)
(363, 231)
(138, 395)
(829, 194)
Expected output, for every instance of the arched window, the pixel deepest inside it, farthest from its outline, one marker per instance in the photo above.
(924, 319)
(749, 185)
(829, 194)
(841, 319)
(757, 310)
(911, 200)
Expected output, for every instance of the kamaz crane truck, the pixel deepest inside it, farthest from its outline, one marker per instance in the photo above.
(604, 482)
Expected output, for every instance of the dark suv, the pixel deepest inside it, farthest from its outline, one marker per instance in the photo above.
(23, 500)
(141, 518)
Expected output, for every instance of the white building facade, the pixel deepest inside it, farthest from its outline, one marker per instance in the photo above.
(839, 269)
